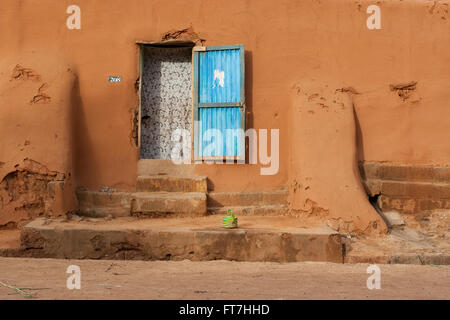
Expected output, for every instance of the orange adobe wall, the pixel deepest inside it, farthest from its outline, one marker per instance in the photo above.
(288, 44)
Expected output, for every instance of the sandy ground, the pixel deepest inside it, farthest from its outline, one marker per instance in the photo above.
(46, 279)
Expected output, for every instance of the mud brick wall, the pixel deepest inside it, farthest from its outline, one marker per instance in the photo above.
(407, 188)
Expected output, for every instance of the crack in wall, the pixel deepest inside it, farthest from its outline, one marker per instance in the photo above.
(21, 73)
(134, 135)
(187, 34)
(405, 90)
(41, 97)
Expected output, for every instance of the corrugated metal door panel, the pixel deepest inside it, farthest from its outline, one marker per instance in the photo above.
(220, 76)
(219, 131)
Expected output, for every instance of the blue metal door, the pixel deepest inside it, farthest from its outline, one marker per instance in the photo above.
(219, 102)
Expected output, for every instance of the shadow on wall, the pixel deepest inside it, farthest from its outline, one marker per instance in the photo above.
(248, 97)
(36, 178)
(359, 138)
(81, 139)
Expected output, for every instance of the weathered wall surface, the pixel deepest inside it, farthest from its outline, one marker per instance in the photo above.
(36, 169)
(405, 122)
(284, 40)
(325, 182)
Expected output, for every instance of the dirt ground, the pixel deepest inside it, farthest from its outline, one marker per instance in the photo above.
(46, 279)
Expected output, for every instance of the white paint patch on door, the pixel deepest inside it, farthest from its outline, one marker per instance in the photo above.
(219, 75)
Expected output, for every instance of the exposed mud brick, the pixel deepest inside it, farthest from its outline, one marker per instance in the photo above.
(253, 198)
(171, 184)
(169, 203)
(405, 205)
(29, 192)
(52, 187)
(433, 204)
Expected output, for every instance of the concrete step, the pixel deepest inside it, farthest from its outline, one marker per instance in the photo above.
(265, 210)
(103, 212)
(154, 204)
(249, 198)
(279, 239)
(171, 184)
(152, 167)
(10, 242)
(404, 172)
(102, 204)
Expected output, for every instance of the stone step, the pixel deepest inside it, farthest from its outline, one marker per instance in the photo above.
(248, 198)
(103, 212)
(265, 210)
(412, 205)
(154, 204)
(102, 204)
(177, 239)
(426, 190)
(171, 184)
(404, 172)
(10, 242)
(151, 167)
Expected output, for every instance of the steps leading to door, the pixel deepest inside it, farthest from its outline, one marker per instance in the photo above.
(102, 204)
(280, 239)
(170, 184)
(247, 198)
(262, 203)
(167, 195)
(156, 196)
(177, 196)
(265, 210)
(153, 167)
(157, 204)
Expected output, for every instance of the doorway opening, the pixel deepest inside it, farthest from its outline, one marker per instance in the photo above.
(166, 98)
